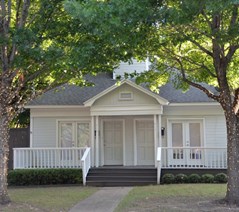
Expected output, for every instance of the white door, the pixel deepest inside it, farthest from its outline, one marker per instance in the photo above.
(145, 142)
(113, 142)
(186, 140)
(73, 134)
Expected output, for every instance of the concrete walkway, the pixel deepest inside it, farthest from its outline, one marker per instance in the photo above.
(104, 200)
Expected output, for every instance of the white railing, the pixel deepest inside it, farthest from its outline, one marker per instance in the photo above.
(194, 157)
(85, 164)
(35, 158)
(158, 164)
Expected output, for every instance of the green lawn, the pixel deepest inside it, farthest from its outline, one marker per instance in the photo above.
(144, 193)
(48, 198)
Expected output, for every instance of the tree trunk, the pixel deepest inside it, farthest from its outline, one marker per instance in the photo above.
(4, 152)
(232, 121)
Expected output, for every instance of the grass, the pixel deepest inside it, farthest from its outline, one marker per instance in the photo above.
(48, 198)
(143, 193)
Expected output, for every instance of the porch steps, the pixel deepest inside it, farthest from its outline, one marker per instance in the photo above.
(121, 176)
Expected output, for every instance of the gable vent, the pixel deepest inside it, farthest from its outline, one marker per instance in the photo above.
(125, 96)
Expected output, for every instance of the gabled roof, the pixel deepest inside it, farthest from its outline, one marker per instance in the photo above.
(72, 95)
(160, 100)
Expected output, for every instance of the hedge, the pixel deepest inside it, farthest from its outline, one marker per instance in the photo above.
(169, 178)
(22, 177)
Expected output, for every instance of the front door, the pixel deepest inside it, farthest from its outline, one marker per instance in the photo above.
(113, 142)
(186, 143)
(145, 142)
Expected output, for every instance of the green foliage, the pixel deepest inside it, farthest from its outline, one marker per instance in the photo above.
(168, 178)
(181, 178)
(207, 178)
(220, 178)
(23, 177)
(22, 120)
(194, 178)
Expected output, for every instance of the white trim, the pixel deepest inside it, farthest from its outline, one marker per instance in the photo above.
(195, 104)
(53, 106)
(183, 121)
(155, 139)
(31, 131)
(97, 149)
(74, 121)
(93, 141)
(102, 140)
(160, 129)
(126, 110)
(135, 144)
(160, 100)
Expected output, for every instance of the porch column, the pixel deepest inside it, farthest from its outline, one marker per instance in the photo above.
(159, 131)
(92, 141)
(156, 138)
(97, 146)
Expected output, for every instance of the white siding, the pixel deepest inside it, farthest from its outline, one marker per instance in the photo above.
(215, 131)
(44, 132)
(60, 112)
(131, 68)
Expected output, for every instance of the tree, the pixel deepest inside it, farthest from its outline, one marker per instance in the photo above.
(190, 41)
(41, 47)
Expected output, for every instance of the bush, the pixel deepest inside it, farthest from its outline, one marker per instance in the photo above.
(168, 178)
(194, 178)
(22, 177)
(220, 178)
(181, 178)
(207, 178)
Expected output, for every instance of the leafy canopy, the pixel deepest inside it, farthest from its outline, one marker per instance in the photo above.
(182, 37)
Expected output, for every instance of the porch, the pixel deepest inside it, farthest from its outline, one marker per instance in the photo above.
(167, 158)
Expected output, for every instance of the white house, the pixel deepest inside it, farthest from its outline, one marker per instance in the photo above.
(124, 125)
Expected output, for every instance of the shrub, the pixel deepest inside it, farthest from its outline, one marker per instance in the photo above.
(22, 177)
(168, 178)
(194, 178)
(181, 178)
(207, 178)
(220, 178)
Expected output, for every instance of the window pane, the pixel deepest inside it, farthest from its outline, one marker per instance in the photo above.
(66, 134)
(177, 134)
(83, 134)
(195, 138)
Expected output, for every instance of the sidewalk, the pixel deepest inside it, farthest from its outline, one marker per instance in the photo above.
(104, 200)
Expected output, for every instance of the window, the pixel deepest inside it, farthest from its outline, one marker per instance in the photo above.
(73, 134)
(126, 96)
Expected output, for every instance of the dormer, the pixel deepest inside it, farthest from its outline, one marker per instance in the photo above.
(135, 66)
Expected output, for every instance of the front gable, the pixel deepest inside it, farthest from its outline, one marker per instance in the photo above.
(126, 99)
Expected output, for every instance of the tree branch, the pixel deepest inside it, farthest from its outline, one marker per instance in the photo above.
(200, 47)
(196, 85)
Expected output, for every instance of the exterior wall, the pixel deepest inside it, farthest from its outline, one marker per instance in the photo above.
(131, 68)
(213, 120)
(44, 125)
(43, 132)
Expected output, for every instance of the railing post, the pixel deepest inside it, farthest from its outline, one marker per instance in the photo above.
(158, 164)
(85, 164)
